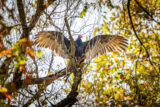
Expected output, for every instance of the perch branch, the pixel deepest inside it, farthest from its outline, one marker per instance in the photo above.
(71, 97)
(70, 37)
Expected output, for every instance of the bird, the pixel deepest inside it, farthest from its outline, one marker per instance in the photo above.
(79, 46)
(96, 46)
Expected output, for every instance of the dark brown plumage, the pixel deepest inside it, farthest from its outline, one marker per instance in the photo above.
(104, 43)
(54, 41)
(98, 45)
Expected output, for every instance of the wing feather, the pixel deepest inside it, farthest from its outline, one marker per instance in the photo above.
(104, 43)
(53, 40)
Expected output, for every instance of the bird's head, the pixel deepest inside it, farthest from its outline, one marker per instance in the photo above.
(80, 36)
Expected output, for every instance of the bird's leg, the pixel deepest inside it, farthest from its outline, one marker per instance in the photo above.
(76, 59)
(79, 58)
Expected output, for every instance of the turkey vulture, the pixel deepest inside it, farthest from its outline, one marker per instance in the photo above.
(98, 45)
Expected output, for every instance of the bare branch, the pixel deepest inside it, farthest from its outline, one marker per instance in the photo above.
(21, 13)
(22, 17)
(129, 13)
(70, 37)
(50, 65)
(44, 80)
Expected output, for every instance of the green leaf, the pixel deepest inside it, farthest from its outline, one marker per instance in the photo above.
(9, 42)
(39, 53)
(83, 13)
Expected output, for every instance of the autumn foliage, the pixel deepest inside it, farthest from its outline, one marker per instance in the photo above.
(29, 74)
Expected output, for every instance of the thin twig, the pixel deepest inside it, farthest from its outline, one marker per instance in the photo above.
(129, 13)
(50, 65)
(145, 10)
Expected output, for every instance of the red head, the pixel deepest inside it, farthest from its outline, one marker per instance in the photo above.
(80, 36)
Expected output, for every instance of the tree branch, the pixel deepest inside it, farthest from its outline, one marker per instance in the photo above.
(129, 13)
(35, 17)
(71, 97)
(22, 17)
(21, 14)
(14, 85)
(76, 69)
(70, 37)
(25, 34)
(36, 96)
(44, 80)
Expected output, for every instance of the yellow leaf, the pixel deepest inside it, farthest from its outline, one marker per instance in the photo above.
(3, 90)
(113, 13)
(117, 75)
(119, 105)
(159, 36)
(22, 62)
(127, 76)
(112, 18)
(95, 31)
(68, 90)
(72, 75)
(113, 70)
(67, 61)
(154, 47)
(116, 96)
(49, 73)
(39, 54)
(23, 40)
(2, 53)
(116, 88)
(83, 13)
(151, 67)
(113, 55)
(86, 38)
(121, 91)
(129, 98)
(46, 4)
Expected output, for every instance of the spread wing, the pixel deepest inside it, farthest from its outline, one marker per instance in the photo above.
(104, 43)
(55, 41)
